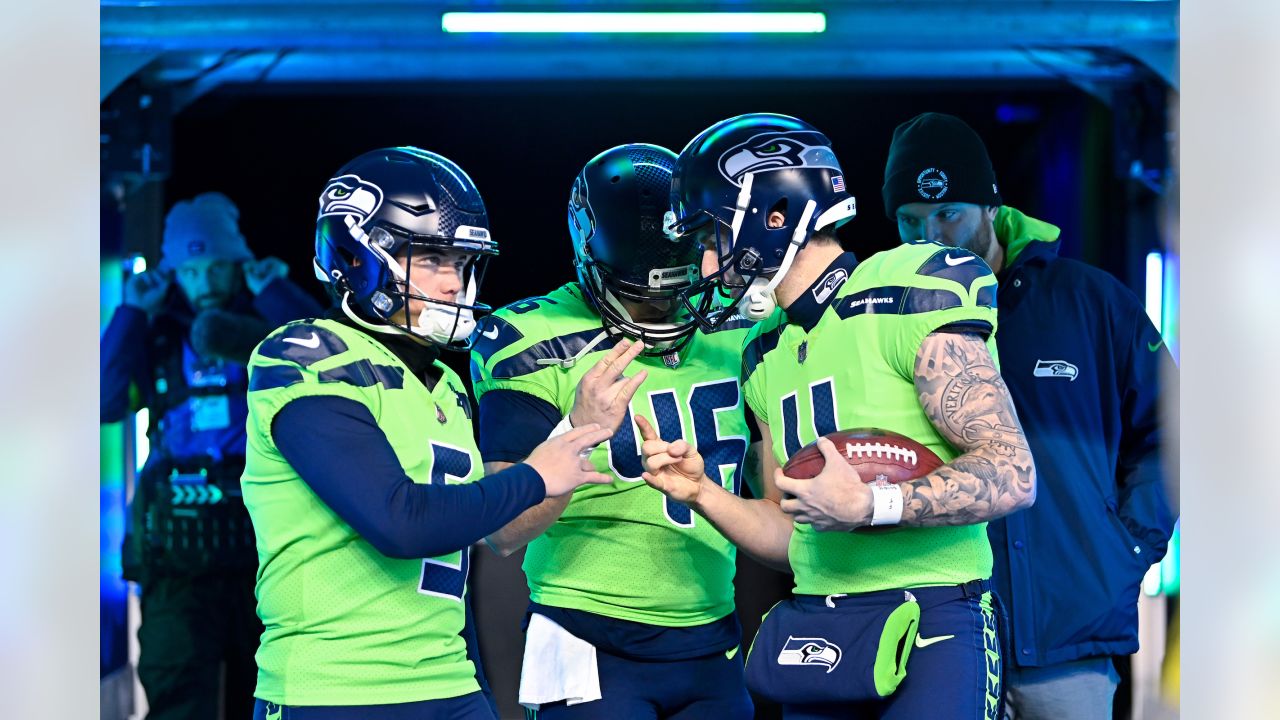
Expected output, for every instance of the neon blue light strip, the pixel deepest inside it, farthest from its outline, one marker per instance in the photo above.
(633, 22)
(1155, 288)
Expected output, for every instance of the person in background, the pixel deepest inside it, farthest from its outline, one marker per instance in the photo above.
(1085, 366)
(177, 346)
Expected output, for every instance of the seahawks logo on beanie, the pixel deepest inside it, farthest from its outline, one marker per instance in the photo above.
(937, 158)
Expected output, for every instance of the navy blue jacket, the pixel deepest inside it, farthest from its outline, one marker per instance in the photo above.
(1084, 365)
(129, 359)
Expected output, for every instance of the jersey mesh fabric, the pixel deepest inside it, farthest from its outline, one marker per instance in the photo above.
(346, 625)
(623, 550)
(855, 369)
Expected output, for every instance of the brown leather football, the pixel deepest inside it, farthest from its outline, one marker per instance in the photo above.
(874, 453)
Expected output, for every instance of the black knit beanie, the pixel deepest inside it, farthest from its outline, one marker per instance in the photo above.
(936, 158)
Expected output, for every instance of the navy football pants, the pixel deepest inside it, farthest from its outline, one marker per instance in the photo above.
(952, 679)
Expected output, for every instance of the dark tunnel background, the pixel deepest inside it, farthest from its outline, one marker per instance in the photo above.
(1060, 155)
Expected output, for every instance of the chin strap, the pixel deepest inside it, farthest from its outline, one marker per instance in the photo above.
(759, 301)
(447, 324)
(371, 327)
(569, 362)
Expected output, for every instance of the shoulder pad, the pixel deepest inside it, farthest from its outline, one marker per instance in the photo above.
(493, 333)
(301, 343)
(955, 264)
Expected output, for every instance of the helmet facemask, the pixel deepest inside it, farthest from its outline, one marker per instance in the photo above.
(726, 184)
(609, 294)
(745, 279)
(631, 269)
(449, 323)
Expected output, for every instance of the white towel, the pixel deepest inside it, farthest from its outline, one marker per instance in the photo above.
(557, 666)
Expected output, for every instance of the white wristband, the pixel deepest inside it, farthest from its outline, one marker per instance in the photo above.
(887, 504)
(563, 427)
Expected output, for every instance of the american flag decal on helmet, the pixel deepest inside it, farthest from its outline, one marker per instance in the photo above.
(837, 183)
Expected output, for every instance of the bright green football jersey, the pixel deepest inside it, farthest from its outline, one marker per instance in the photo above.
(854, 369)
(624, 550)
(346, 625)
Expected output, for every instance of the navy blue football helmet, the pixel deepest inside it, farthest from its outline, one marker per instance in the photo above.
(402, 202)
(622, 252)
(728, 180)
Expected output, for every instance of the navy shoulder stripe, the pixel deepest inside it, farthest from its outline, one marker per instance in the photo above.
(957, 265)
(987, 297)
(896, 300)
(753, 354)
(558, 348)
(363, 373)
(736, 322)
(269, 377)
(920, 300)
(302, 343)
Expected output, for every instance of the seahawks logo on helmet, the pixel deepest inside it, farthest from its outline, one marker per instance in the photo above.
(348, 195)
(810, 651)
(777, 150)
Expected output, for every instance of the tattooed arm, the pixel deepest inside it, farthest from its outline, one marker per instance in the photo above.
(966, 400)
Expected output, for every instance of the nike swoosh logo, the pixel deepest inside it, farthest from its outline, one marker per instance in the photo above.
(958, 261)
(926, 642)
(491, 335)
(729, 654)
(312, 342)
(1156, 346)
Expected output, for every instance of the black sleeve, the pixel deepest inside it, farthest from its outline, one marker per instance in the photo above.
(513, 423)
(338, 449)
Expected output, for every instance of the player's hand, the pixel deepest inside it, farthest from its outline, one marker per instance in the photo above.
(833, 500)
(674, 469)
(563, 462)
(147, 290)
(604, 393)
(259, 273)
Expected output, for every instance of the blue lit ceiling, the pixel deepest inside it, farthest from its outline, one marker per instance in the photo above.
(196, 45)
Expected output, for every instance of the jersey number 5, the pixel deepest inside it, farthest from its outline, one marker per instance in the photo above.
(445, 576)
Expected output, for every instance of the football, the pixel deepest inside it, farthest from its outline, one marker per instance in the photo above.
(876, 454)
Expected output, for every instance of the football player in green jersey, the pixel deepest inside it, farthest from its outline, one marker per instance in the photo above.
(362, 478)
(632, 609)
(901, 341)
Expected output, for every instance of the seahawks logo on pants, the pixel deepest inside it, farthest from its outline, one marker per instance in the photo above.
(810, 651)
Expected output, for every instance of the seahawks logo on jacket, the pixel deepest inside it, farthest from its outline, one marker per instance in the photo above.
(350, 196)
(1055, 368)
(774, 150)
(810, 651)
